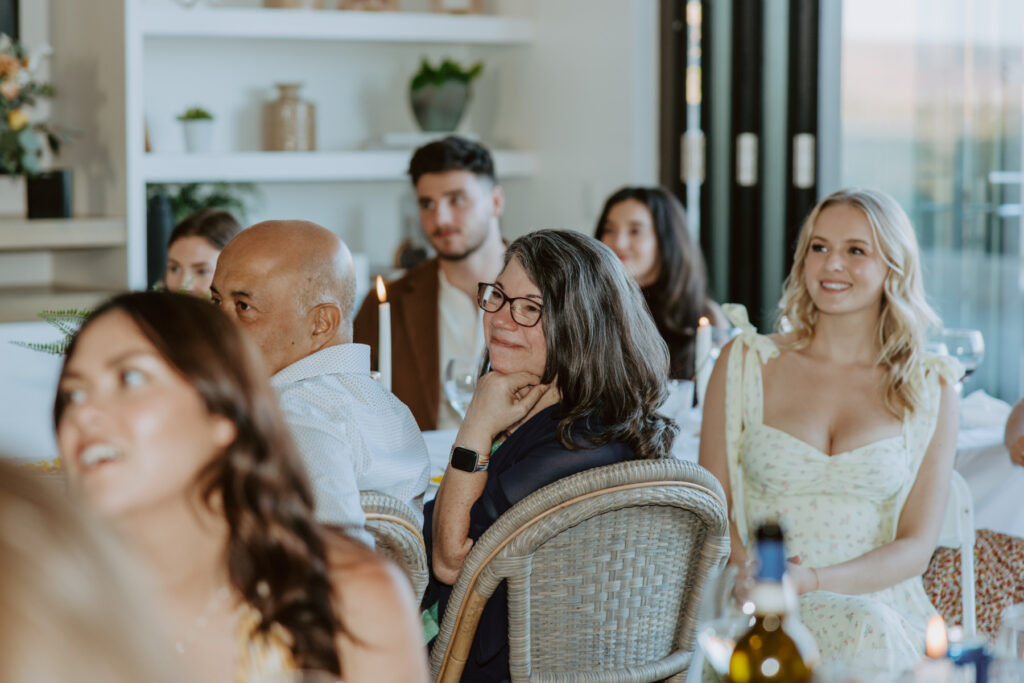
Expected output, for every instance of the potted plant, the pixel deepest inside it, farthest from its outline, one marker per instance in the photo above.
(198, 125)
(439, 95)
(23, 139)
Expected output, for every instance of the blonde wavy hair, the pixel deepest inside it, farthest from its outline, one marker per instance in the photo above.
(904, 317)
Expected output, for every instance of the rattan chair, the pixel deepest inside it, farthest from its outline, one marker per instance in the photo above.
(397, 535)
(605, 571)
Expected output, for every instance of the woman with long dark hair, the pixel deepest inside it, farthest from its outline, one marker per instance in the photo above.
(169, 428)
(646, 228)
(578, 371)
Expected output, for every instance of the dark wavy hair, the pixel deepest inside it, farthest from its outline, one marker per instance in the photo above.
(277, 556)
(603, 349)
(452, 153)
(216, 226)
(678, 297)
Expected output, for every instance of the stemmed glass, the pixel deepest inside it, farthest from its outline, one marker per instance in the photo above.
(460, 375)
(967, 346)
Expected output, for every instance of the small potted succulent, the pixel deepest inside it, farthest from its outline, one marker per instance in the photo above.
(439, 95)
(198, 125)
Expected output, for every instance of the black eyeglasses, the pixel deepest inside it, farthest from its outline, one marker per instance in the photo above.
(525, 312)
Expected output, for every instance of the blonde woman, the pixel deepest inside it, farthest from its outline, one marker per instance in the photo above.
(844, 429)
(70, 609)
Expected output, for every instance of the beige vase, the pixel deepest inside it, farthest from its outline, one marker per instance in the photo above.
(289, 123)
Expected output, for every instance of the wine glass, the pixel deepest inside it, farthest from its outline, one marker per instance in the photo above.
(967, 346)
(1010, 638)
(460, 375)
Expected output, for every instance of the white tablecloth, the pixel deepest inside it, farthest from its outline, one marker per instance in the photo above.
(981, 457)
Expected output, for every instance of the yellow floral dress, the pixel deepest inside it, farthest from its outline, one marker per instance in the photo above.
(833, 508)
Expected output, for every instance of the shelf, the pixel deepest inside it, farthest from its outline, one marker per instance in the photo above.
(284, 167)
(290, 24)
(20, 234)
(21, 304)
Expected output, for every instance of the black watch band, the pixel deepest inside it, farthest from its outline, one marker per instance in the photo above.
(467, 460)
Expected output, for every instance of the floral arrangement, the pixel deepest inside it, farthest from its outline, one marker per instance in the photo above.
(21, 139)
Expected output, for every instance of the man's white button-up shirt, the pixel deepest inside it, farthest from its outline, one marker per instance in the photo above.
(352, 434)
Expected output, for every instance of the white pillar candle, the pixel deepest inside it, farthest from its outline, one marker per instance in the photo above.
(935, 667)
(383, 334)
(702, 359)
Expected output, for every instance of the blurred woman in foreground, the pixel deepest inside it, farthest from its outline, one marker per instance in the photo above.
(168, 427)
(70, 607)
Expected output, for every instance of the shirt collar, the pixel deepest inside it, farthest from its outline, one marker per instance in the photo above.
(353, 359)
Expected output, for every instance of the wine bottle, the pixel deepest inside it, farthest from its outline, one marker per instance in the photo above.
(776, 647)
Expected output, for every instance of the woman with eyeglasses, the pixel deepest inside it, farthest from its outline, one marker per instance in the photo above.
(577, 371)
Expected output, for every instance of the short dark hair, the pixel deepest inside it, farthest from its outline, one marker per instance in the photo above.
(216, 226)
(452, 153)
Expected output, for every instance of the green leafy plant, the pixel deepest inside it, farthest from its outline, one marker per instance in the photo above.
(195, 114)
(447, 71)
(187, 198)
(66, 320)
(21, 138)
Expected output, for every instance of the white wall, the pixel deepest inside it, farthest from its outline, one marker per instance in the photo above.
(585, 97)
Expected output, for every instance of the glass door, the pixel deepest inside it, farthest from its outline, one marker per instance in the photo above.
(931, 102)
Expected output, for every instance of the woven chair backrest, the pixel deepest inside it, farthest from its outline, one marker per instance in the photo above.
(397, 535)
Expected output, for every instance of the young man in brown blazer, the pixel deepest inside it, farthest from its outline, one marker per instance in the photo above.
(434, 315)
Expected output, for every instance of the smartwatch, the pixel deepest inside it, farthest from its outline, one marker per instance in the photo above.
(468, 460)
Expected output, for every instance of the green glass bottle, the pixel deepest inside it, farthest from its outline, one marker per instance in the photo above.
(777, 647)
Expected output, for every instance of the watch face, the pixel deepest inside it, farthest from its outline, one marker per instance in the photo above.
(464, 459)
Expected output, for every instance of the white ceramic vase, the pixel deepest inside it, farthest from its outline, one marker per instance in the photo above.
(12, 196)
(198, 135)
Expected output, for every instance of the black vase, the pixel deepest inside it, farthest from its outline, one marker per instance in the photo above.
(49, 194)
(159, 223)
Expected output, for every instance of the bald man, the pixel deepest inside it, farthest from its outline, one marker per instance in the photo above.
(291, 286)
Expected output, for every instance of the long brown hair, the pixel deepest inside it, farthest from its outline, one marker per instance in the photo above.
(72, 601)
(679, 295)
(276, 551)
(603, 349)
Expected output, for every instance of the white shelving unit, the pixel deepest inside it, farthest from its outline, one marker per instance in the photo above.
(21, 304)
(381, 27)
(274, 167)
(249, 49)
(57, 234)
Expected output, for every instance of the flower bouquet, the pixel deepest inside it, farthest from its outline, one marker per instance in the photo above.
(21, 138)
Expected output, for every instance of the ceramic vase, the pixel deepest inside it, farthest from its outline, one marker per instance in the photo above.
(440, 108)
(289, 123)
(198, 135)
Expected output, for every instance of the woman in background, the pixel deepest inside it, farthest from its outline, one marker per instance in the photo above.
(646, 228)
(193, 248)
(169, 428)
(70, 607)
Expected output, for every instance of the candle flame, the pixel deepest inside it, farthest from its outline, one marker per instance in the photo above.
(703, 322)
(935, 640)
(382, 292)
